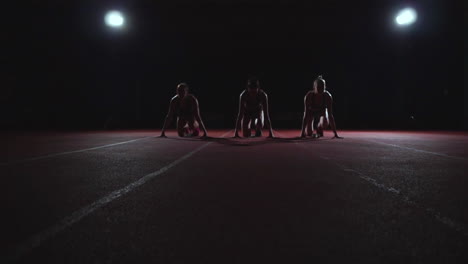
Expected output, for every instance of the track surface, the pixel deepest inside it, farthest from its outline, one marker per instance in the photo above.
(130, 197)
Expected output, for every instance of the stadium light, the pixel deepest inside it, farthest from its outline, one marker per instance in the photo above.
(406, 17)
(114, 19)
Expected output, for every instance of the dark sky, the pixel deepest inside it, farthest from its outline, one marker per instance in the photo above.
(66, 69)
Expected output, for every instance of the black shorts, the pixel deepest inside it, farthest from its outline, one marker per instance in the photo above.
(252, 115)
(187, 116)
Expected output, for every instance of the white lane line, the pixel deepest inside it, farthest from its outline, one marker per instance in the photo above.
(36, 240)
(370, 180)
(431, 211)
(69, 152)
(417, 150)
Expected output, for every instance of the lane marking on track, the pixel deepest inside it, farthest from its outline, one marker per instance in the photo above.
(36, 240)
(70, 152)
(415, 149)
(369, 179)
(431, 211)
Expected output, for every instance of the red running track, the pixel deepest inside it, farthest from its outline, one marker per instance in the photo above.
(128, 196)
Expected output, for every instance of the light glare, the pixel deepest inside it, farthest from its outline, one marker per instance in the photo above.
(114, 19)
(406, 17)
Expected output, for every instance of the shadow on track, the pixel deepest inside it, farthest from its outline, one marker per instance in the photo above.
(253, 141)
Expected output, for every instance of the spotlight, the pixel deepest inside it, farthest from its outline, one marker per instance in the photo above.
(406, 17)
(114, 19)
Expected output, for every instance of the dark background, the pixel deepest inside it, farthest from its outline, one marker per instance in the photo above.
(67, 70)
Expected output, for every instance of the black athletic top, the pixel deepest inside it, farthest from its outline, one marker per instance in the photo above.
(317, 109)
(185, 107)
(253, 105)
